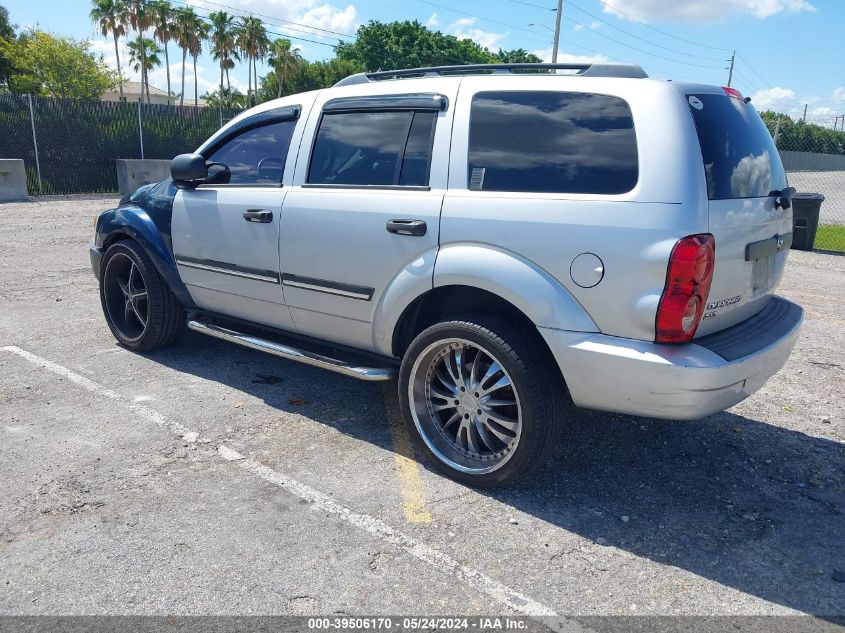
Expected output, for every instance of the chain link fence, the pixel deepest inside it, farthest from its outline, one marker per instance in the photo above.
(70, 146)
(813, 153)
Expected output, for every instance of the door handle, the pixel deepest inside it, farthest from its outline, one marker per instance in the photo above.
(258, 215)
(417, 228)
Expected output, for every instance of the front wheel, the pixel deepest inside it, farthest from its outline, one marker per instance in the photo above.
(481, 399)
(141, 311)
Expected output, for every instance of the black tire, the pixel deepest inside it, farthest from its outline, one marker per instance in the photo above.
(163, 316)
(534, 382)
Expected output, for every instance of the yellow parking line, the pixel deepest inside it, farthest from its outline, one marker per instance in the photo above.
(407, 469)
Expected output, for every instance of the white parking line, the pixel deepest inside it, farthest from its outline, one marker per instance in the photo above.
(479, 581)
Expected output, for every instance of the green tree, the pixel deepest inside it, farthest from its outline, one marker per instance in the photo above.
(141, 18)
(195, 49)
(50, 65)
(800, 136)
(396, 45)
(231, 99)
(223, 46)
(112, 18)
(284, 59)
(186, 30)
(253, 42)
(307, 75)
(162, 21)
(144, 57)
(7, 33)
(517, 56)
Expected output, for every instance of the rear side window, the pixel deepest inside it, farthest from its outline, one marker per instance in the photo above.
(373, 148)
(740, 157)
(555, 142)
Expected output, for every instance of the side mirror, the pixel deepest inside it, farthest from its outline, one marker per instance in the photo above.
(188, 170)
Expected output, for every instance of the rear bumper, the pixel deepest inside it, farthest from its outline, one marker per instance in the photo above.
(96, 259)
(680, 382)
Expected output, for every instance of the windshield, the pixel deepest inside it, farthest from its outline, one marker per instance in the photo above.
(740, 157)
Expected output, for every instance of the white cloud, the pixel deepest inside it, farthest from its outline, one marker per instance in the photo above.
(568, 58)
(433, 22)
(592, 26)
(465, 29)
(777, 98)
(302, 12)
(822, 111)
(326, 16)
(839, 94)
(703, 10)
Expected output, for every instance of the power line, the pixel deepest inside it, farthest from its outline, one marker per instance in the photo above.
(642, 39)
(270, 17)
(205, 17)
(510, 26)
(744, 78)
(654, 28)
(536, 6)
(612, 39)
(756, 74)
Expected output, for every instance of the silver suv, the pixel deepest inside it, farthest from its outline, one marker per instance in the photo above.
(509, 241)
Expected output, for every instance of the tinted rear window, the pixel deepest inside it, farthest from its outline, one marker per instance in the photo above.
(740, 157)
(555, 142)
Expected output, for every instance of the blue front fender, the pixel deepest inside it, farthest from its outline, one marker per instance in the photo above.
(130, 220)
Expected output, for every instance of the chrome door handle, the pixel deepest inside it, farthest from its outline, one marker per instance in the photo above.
(258, 215)
(417, 228)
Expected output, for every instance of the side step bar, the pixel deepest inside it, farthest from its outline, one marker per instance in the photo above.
(292, 353)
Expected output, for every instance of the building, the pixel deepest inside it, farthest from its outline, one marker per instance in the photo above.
(132, 92)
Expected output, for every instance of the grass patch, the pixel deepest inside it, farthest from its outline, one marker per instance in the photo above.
(830, 237)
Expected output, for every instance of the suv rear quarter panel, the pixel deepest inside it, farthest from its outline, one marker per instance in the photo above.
(632, 233)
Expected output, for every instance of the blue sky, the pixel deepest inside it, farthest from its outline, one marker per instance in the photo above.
(787, 50)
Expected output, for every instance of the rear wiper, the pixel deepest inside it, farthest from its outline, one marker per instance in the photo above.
(783, 198)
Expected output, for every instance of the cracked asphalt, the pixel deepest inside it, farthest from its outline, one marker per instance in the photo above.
(103, 510)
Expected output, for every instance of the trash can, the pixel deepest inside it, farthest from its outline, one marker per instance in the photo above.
(805, 219)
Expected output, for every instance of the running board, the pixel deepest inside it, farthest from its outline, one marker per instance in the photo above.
(292, 353)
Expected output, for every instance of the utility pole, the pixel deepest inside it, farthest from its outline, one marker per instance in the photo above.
(804, 118)
(557, 30)
(731, 69)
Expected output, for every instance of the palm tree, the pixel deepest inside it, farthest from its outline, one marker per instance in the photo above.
(162, 20)
(186, 26)
(112, 17)
(143, 57)
(283, 58)
(234, 99)
(253, 41)
(223, 47)
(141, 19)
(200, 35)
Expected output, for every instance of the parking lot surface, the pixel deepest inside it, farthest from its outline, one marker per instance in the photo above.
(210, 479)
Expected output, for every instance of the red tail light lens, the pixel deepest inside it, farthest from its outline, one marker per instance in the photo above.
(687, 287)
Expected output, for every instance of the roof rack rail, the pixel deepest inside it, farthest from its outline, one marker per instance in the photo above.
(584, 70)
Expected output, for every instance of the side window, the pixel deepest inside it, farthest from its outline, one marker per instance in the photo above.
(551, 142)
(373, 148)
(257, 156)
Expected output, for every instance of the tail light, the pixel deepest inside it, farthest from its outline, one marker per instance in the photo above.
(687, 286)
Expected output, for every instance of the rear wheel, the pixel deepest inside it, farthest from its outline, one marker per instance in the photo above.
(141, 311)
(481, 399)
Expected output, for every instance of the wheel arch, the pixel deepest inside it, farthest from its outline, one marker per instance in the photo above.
(467, 277)
(134, 224)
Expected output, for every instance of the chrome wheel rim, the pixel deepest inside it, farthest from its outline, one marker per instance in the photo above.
(126, 298)
(465, 406)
